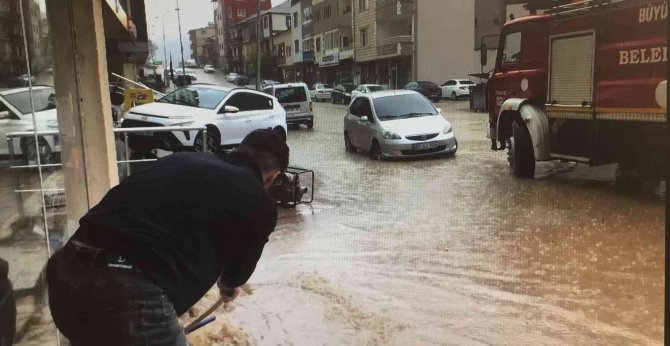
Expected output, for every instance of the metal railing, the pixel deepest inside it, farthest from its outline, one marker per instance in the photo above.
(11, 137)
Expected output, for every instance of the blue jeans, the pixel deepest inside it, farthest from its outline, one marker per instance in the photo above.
(95, 304)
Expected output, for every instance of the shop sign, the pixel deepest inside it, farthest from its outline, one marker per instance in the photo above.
(330, 57)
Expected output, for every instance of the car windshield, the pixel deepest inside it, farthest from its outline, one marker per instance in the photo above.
(403, 106)
(374, 88)
(195, 97)
(43, 99)
(291, 95)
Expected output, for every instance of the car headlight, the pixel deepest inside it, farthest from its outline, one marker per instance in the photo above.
(447, 129)
(390, 135)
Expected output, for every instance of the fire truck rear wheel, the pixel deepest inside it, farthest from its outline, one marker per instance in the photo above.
(520, 152)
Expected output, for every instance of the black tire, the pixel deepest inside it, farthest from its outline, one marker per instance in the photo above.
(45, 152)
(280, 132)
(347, 144)
(213, 141)
(310, 124)
(454, 153)
(520, 152)
(375, 152)
(332, 100)
(454, 96)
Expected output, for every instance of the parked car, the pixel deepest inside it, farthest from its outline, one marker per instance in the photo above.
(295, 99)
(24, 78)
(397, 124)
(267, 83)
(16, 116)
(428, 89)
(209, 69)
(342, 93)
(456, 88)
(321, 92)
(366, 89)
(180, 72)
(229, 114)
(241, 80)
(231, 77)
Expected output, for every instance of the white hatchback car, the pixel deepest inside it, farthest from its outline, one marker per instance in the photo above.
(321, 92)
(366, 89)
(16, 116)
(228, 113)
(456, 88)
(209, 69)
(397, 123)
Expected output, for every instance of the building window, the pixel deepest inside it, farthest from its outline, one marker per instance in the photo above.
(295, 19)
(288, 22)
(317, 16)
(362, 5)
(318, 44)
(241, 12)
(326, 12)
(288, 51)
(364, 37)
(346, 41)
(296, 44)
(265, 22)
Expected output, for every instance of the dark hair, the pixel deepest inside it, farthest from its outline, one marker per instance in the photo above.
(268, 150)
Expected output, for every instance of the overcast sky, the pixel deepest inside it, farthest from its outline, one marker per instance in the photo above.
(194, 14)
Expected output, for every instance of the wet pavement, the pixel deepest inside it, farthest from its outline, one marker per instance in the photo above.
(454, 251)
(444, 251)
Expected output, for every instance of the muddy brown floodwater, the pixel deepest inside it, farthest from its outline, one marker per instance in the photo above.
(453, 251)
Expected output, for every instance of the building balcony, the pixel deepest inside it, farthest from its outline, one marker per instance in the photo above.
(387, 9)
(395, 46)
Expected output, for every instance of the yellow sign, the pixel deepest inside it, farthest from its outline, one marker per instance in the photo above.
(134, 97)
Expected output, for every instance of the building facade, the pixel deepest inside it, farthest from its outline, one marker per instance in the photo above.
(202, 40)
(219, 27)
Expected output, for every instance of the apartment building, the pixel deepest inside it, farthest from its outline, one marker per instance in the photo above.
(296, 39)
(235, 12)
(332, 35)
(201, 40)
(219, 26)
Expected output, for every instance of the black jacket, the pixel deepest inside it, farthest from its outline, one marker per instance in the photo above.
(186, 221)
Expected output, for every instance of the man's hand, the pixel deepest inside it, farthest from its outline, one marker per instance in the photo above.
(229, 294)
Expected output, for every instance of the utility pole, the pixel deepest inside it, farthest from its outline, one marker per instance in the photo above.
(259, 32)
(181, 45)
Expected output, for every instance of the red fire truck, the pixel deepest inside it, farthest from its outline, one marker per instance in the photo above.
(584, 81)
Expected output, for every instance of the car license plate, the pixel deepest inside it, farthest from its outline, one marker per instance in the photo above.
(423, 146)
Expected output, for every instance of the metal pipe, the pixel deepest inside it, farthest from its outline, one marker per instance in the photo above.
(127, 153)
(259, 32)
(137, 84)
(205, 146)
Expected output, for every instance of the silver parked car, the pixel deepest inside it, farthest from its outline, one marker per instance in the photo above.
(397, 123)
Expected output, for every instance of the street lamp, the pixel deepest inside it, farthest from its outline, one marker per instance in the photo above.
(181, 45)
(165, 74)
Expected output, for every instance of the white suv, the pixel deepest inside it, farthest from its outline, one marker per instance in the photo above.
(229, 114)
(295, 99)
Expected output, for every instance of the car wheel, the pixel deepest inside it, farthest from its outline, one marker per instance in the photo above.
(454, 96)
(347, 144)
(213, 141)
(520, 152)
(280, 133)
(310, 124)
(455, 150)
(375, 152)
(44, 150)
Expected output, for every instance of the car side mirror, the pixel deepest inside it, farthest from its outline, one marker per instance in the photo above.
(365, 119)
(230, 109)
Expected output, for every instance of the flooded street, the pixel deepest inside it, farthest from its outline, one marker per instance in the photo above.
(441, 251)
(454, 251)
